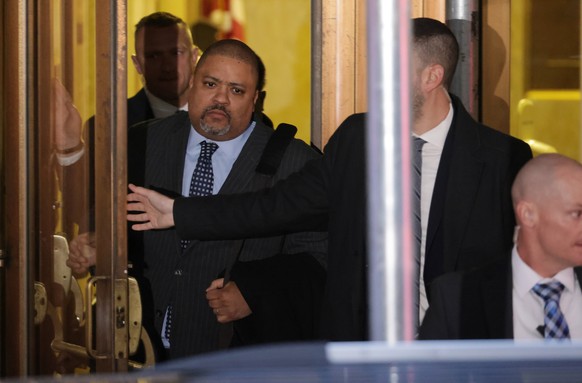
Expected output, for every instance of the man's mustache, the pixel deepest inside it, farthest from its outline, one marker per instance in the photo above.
(216, 107)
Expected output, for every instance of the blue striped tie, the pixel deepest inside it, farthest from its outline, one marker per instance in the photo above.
(555, 325)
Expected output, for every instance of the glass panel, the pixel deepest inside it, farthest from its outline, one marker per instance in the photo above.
(65, 92)
(77, 215)
(545, 75)
(61, 98)
(76, 145)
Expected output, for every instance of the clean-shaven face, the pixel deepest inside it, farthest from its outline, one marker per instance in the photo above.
(166, 59)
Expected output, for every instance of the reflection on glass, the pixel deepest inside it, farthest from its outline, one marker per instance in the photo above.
(545, 75)
(63, 169)
(65, 87)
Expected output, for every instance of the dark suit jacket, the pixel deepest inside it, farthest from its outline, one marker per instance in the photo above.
(475, 304)
(471, 212)
(138, 108)
(182, 277)
(80, 176)
(471, 217)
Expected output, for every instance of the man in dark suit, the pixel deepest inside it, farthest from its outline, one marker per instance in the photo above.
(467, 218)
(225, 87)
(165, 56)
(467, 168)
(499, 301)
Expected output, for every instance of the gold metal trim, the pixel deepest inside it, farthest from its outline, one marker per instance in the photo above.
(135, 315)
(40, 303)
(89, 319)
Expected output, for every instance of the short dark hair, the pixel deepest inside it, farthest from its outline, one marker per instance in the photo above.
(238, 50)
(159, 19)
(436, 44)
(262, 71)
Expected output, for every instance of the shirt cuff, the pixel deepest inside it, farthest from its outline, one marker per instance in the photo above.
(70, 159)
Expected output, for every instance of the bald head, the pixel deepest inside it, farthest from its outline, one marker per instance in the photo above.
(543, 176)
(547, 199)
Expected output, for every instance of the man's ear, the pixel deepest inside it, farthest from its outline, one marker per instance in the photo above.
(196, 53)
(434, 76)
(136, 64)
(526, 214)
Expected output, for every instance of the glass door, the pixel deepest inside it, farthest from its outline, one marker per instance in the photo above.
(545, 75)
(64, 148)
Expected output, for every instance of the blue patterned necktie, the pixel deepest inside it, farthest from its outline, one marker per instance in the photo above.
(202, 184)
(417, 177)
(202, 181)
(555, 325)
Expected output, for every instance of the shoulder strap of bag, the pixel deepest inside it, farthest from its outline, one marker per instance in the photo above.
(275, 149)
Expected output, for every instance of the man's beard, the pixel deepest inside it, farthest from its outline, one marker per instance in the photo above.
(211, 129)
(417, 103)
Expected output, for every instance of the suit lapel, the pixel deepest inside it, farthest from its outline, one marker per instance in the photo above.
(456, 185)
(463, 185)
(139, 108)
(440, 187)
(166, 147)
(177, 138)
(178, 135)
(167, 140)
(578, 271)
(243, 170)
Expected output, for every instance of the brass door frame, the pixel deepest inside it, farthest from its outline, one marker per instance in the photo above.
(25, 89)
(110, 169)
(16, 203)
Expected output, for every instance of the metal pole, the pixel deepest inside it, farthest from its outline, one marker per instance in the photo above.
(463, 18)
(316, 70)
(391, 257)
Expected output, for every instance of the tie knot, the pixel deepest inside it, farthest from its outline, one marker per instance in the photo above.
(550, 291)
(418, 143)
(207, 148)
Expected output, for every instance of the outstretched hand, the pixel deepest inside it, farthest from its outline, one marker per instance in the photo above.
(155, 210)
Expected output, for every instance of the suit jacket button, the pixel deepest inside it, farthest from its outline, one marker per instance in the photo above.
(159, 313)
(178, 272)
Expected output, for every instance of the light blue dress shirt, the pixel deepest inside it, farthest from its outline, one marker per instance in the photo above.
(222, 159)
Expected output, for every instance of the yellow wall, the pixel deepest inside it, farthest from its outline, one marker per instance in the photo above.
(545, 80)
(279, 31)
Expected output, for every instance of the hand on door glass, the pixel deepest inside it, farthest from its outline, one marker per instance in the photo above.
(67, 121)
(82, 253)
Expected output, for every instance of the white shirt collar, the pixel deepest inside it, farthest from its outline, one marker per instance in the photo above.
(524, 277)
(230, 148)
(160, 107)
(437, 135)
